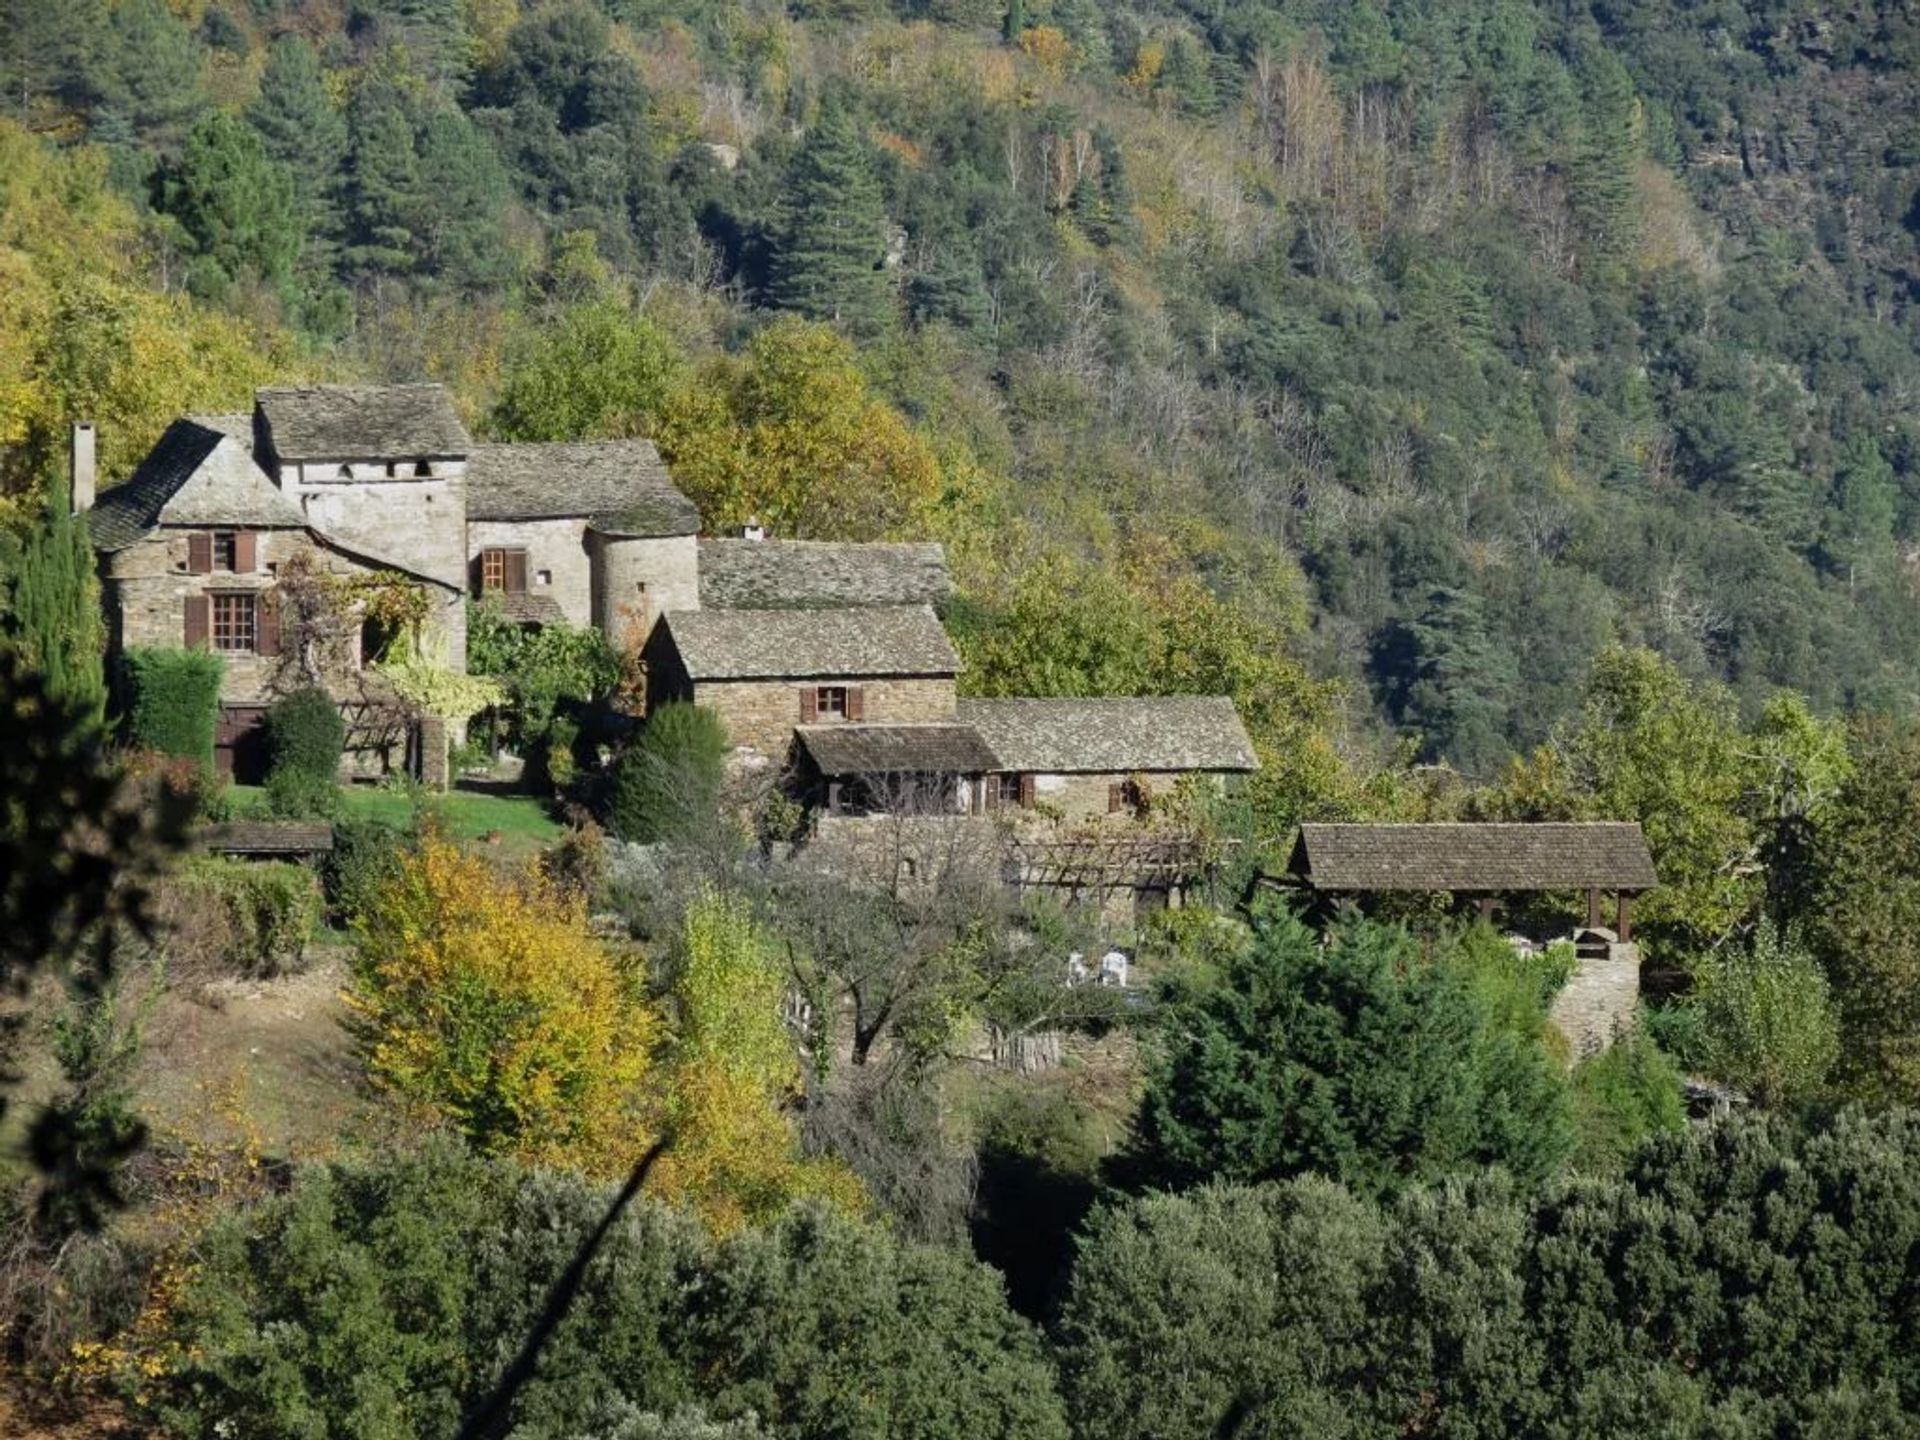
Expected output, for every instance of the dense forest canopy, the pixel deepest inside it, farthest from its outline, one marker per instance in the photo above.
(1441, 344)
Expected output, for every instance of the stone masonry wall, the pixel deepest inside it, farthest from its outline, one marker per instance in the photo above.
(1599, 1001)
(636, 581)
(556, 549)
(760, 714)
(418, 521)
(1075, 799)
(147, 584)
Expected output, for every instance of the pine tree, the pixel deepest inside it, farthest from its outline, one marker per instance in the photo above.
(383, 178)
(150, 83)
(55, 618)
(235, 204)
(304, 131)
(1604, 171)
(828, 265)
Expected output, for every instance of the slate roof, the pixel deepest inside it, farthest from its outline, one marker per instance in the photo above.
(269, 837)
(775, 574)
(621, 485)
(197, 477)
(1113, 736)
(932, 748)
(532, 609)
(1604, 855)
(362, 422)
(807, 644)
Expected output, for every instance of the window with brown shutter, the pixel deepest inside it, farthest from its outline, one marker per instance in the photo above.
(235, 623)
(516, 572)
(200, 552)
(246, 552)
(1026, 792)
(1116, 797)
(830, 702)
(199, 622)
(1008, 792)
(503, 570)
(809, 704)
(856, 704)
(223, 547)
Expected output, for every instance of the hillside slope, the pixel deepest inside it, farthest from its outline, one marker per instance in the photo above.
(1440, 343)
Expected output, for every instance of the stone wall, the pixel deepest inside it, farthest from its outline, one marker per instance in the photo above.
(636, 581)
(1600, 1000)
(760, 714)
(556, 550)
(1079, 798)
(146, 585)
(418, 521)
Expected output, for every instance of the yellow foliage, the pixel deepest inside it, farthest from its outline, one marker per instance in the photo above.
(735, 1155)
(481, 999)
(1049, 48)
(789, 433)
(81, 332)
(1146, 66)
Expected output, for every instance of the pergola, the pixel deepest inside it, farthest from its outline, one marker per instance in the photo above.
(1482, 861)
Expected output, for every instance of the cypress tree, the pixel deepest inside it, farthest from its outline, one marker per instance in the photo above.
(828, 265)
(55, 619)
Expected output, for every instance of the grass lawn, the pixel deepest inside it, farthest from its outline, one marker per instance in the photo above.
(521, 821)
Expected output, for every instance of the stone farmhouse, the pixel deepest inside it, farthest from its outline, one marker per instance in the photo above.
(823, 658)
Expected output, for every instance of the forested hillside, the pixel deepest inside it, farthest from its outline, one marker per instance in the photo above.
(1425, 347)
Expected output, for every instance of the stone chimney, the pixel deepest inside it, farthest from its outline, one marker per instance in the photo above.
(81, 466)
(753, 529)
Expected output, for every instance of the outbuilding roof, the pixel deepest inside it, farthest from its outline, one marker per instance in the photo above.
(776, 574)
(1107, 735)
(362, 422)
(932, 748)
(196, 476)
(1495, 857)
(620, 485)
(810, 644)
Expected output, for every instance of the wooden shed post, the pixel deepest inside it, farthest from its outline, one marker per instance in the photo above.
(1624, 910)
(1593, 909)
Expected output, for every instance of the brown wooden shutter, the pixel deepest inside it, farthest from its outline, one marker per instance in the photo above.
(809, 704)
(266, 624)
(200, 553)
(199, 619)
(1026, 791)
(516, 572)
(856, 703)
(1116, 797)
(246, 552)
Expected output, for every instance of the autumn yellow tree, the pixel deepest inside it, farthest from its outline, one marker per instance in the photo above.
(790, 434)
(733, 1076)
(481, 999)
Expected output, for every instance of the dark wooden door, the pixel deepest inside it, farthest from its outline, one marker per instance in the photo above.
(240, 743)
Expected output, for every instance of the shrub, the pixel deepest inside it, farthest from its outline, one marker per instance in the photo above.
(366, 856)
(383, 1298)
(171, 701)
(251, 916)
(667, 783)
(1622, 1097)
(1363, 1059)
(306, 734)
(1767, 1020)
(481, 999)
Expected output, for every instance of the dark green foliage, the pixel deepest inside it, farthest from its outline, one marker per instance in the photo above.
(383, 1299)
(667, 782)
(53, 615)
(91, 1127)
(1364, 1060)
(1737, 1283)
(235, 207)
(366, 857)
(305, 133)
(828, 262)
(305, 737)
(170, 701)
(145, 80)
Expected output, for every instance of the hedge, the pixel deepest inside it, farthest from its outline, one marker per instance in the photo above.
(258, 915)
(171, 701)
(305, 735)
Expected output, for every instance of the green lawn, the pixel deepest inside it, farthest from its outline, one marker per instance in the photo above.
(520, 820)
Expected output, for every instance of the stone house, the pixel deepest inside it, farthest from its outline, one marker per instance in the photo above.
(826, 657)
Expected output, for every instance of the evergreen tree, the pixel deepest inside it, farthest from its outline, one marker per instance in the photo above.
(828, 264)
(234, 204)
(1461, 683)
(54, 618)
(462, 194)
(149, 76)
(1605, 167)
(383, 177)
(304, 131)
